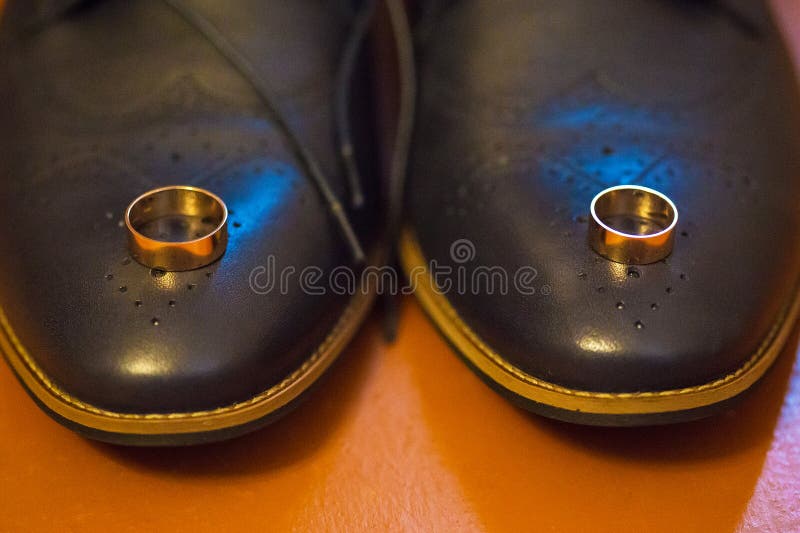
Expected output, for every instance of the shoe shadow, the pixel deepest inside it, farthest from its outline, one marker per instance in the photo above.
(748, 423)
(286, 441)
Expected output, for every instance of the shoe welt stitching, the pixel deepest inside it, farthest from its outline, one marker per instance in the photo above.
(269, 393)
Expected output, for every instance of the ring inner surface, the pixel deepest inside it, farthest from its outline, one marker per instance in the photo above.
(634, 212)
(177, 215)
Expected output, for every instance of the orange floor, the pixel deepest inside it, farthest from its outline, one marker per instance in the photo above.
(404, 437)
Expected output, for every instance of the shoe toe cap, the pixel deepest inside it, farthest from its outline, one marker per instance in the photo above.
(116, 335)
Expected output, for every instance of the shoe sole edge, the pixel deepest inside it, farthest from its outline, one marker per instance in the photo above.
(582, 406)
(184, 428)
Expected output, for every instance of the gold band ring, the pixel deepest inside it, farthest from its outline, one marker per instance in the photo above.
(632, 224)
(177, 228)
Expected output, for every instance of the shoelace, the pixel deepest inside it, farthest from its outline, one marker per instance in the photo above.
(344, 77)
(398, 165)
(357, 36)
(242, 64)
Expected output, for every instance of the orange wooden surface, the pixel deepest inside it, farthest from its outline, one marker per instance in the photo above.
(404, 437)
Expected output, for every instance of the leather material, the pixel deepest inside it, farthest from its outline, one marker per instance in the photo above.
(119, 97)
(530, 108)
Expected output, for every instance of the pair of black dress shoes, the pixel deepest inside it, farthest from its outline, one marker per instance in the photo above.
(522, 112)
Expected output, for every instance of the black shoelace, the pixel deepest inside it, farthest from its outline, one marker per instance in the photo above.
(344, 77)
(398, 166)
(356, 38)
(243, 65)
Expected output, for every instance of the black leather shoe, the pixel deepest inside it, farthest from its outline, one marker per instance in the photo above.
(528, 110)
(104, 100)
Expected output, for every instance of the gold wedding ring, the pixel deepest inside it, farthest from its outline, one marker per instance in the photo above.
(177, 228)
(632, 224)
